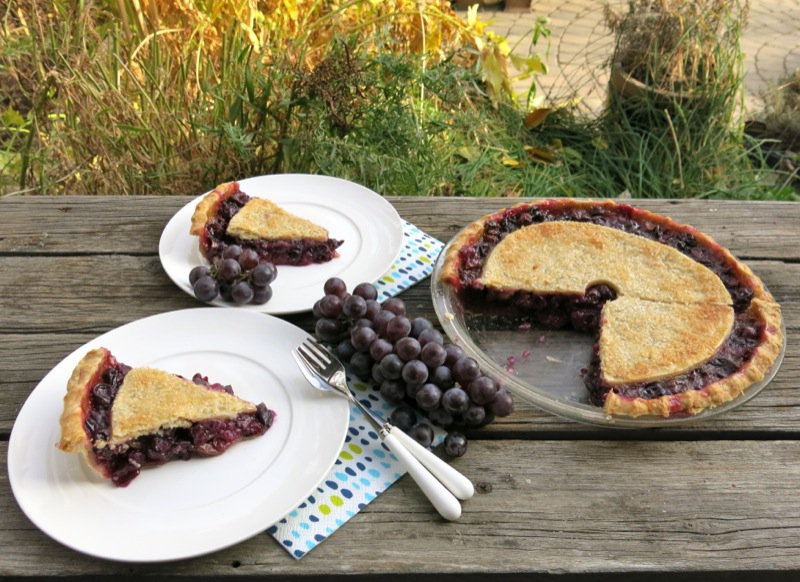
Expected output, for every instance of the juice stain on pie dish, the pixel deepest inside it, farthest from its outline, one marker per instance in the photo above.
(123, 419)
(680, 324)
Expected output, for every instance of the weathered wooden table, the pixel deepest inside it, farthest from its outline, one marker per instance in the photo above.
(715, 500)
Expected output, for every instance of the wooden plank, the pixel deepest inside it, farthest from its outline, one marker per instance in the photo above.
(89, 224)
(37, 336)
(576, 507)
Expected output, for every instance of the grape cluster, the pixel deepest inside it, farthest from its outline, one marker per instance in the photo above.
(410, 362)
(238, 276)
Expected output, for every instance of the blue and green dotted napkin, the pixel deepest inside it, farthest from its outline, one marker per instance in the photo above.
(365, 467)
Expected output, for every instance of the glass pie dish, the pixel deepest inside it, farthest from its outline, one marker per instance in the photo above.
(545, 367)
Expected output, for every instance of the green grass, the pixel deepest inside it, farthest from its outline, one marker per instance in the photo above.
(92, 110)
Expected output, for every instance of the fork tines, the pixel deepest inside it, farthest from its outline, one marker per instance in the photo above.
(310, 348)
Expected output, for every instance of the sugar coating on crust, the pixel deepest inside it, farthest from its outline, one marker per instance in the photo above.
(150, 399)
(642, 341)
(568, 257)
(262, 219)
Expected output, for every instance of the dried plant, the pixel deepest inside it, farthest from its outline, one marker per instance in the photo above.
(679, 45)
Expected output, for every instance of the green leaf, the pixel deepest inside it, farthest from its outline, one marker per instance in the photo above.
(12, 118)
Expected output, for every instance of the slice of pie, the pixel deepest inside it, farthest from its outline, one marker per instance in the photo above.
(680, 324)
(227, 216)
(123, 418)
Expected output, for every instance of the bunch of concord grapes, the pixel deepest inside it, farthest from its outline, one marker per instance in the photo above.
(410, 362)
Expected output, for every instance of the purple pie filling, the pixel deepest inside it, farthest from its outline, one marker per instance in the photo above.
(297, 252)
(582, 312)
(122, 463)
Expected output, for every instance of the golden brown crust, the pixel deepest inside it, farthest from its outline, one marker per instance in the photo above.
(645, 341)
(262, 219)
(450, 268)
(149, 400)
(533, 258)
(763, 306)
(73, 435)
(695, 401)
(206, 209)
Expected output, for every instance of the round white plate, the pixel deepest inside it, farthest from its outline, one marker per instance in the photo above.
(183, 509)
(370, 227)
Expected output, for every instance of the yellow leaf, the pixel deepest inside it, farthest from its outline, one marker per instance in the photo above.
(511, 162)
(528, 65)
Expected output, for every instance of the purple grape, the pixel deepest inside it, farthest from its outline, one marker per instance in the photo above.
(407, 348)
(440, 417)
(316, 309)
(422, 432)
(327, 329)
(397, 328)
(366, 291)
(428, 396)
(232, 252)
(430, 335)
(412, 389)
(241, 293)
(380, 321)
(466, 370)
(403, 417)
(442, 376)
(475, 415)
(206, 288)
(455, 444)
(433, 355)
(454, 353)
(264, 274)
(482, 390)
(502, 405)
(197, 272)
(363, 322)
(395, 305)
(229, 269)
(362, 337)
(455, 400)
(415, 372)
(261, 294)
(373, 309)
(345, 350)
(392, 367)
(248, 259)
(335, 286)
(330, 306)
(393, 391)
(354, 307)
(380, 348)
(377, 375)
(361, 365)
(419, 325)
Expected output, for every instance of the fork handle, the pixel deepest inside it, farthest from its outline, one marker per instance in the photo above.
(445, 502)
(457, 483)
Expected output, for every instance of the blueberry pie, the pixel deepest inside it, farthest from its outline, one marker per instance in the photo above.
(680, 324)
(227, 216)
(123, 418)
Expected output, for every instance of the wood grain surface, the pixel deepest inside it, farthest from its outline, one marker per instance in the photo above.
(557, 500)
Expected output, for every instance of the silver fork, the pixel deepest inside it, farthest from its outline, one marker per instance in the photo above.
(440, 482)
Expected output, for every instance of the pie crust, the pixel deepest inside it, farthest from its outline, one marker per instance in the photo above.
(680, 297)
(148, 402)
(282, 237)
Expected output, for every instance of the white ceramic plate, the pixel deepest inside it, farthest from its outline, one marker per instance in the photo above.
(370, 227)
(183, 509)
